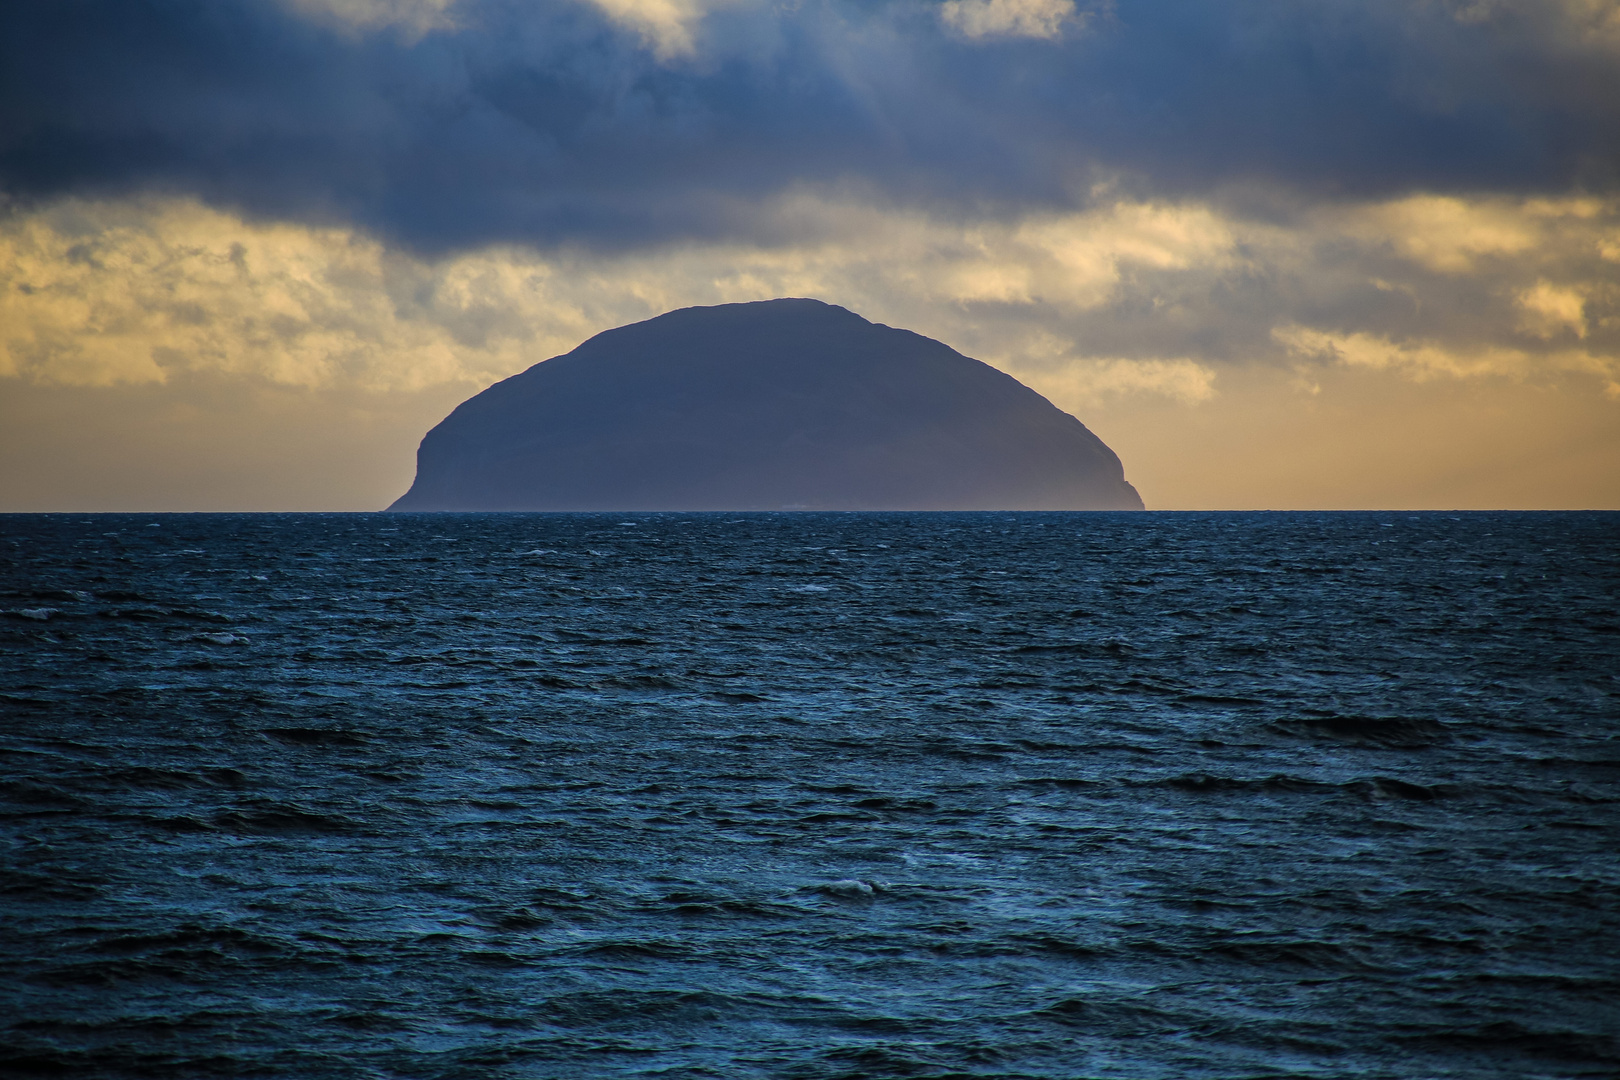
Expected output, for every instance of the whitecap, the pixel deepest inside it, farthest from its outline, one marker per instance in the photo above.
(223, 639)
(38, 614)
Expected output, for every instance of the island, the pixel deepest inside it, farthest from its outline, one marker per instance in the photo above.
(788, 404)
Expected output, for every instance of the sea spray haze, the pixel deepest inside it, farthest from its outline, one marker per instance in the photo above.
(810, 795)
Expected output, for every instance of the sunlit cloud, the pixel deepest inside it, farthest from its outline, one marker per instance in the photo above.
(1454, 235)
(1008, 18)
(1423, 360)
(413, 18)
(1142, 308)
(1445, 234)
(1098, 382)
(667, 27)
(100, 293)
(1548, 310)
(107, 293)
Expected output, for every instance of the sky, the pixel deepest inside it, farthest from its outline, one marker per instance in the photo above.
(1279, 254)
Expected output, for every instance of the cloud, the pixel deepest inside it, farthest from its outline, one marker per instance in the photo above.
(1447, 234)
(1007, 18)
(1100, 381)
(119, 292)
(1424, 360)
(1452, 235)
(101, 294)
(1173, 328)
(413, 18)
(667, 27)
(1128, 296)
(1159, 209)
(629, 123)
(1587, 24)
(1548, 310)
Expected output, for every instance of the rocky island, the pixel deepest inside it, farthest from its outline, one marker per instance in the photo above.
(779, 405)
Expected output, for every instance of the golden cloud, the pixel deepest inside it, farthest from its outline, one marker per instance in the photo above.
(1548, 310)
(104, 293)
(665, 26)
(1092, 382)
(1423, 360)
(1451, 235)
(1008, 18)
(130, 292)
(160, 342)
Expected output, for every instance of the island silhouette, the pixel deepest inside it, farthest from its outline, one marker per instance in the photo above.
(788, 404)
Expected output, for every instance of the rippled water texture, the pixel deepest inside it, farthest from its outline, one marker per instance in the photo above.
(1043, 795)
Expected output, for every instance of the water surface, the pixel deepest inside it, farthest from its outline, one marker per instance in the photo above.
(801, 795)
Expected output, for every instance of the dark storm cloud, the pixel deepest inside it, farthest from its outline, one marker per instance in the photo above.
(543, 122)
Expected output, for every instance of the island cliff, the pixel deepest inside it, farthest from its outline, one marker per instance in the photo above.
(778, 405)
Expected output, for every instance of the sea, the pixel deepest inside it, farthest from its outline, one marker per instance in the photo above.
(802, 795)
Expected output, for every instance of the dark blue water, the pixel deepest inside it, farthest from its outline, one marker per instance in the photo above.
(1012, 795)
